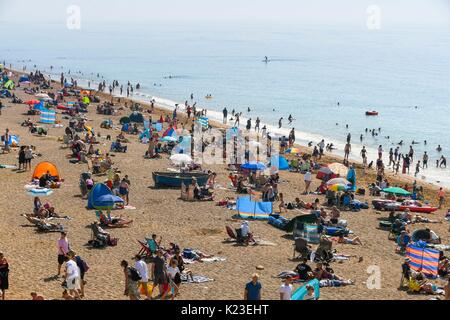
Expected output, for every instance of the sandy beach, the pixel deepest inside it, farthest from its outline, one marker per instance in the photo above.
(201, 225)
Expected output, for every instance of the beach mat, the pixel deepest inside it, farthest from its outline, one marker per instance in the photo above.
(196, 279)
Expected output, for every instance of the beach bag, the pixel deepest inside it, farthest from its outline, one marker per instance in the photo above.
(290, 206)
(113, 242)
(134, 274)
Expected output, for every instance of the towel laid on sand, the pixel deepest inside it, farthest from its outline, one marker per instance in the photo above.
(210, 260)
(196, 279)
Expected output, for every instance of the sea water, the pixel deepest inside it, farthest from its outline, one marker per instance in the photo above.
(401, 72)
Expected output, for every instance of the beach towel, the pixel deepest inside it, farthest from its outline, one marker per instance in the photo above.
(196, 279)
(208, 260)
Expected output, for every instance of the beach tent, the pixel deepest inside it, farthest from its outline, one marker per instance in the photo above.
(253, 166)
(248, 209)
(9, 85)
(86, 100)
(301, 292)
(157, 126)
(13, 140)
(204, 122)
(351, 177)
(42, 169)
(136, 117)
(279, 162)
(299, 221)
(170, 132)
(232, 132)
(423, 259)
(5, 93)
(24, 78)
(145, 134)
(102, 198)
(48, 116)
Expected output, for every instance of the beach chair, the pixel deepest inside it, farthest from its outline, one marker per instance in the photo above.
(230, 233)
(323, 251)
(145, 250)
(98, 240)
(301, 246)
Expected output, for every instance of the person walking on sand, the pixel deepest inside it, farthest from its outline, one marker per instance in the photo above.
(347, 150)
(237, 122)
(4, 275)
(132, 278)
(124, 191)
(441, 197)
(28, 157)
(308, 179)
(63, 249)
(253, 289)
(286, 289)
(159, 273)
(321, 146)
(72, 275)
(142, 269)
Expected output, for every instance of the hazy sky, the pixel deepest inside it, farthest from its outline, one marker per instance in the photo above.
(292, 11)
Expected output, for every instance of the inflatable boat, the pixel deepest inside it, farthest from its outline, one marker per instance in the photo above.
(371, 113)
(416, 206)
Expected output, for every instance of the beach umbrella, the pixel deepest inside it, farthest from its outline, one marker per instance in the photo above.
(293, 151)
(338, 168)
(254, 166)
(342, 181)
(168, 139)
(32, 102)
(106, 202)
(181, 158)
(397, 191)
(338, 187)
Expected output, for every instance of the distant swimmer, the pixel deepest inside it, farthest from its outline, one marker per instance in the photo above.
(346, 126)
(415, 142)
(338, 104)
(248, 109)
(425, 142)
(266, 59)
(443, 162)
(400, 143)
(387, 137)
(439, 149)
(361, 138)
(310, 144)
(290, 119)
(280, 123)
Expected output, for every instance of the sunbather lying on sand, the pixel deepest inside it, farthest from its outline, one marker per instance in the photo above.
(346, 240)
(43, 224)
(114, 222)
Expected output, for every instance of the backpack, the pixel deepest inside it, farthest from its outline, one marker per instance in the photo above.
(134, 274)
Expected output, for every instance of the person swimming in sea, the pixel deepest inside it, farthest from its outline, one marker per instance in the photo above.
(439, 149)
(400, 143)
(266, 59)
(290, 119)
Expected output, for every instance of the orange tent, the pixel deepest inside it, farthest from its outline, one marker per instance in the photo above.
(42, 169)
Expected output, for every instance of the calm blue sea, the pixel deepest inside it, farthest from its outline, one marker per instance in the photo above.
(391, 70)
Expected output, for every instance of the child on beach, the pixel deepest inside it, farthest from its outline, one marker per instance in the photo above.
(282, 205)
